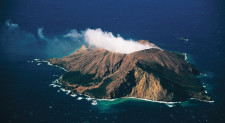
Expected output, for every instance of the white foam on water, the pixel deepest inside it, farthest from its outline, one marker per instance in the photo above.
(48, 63)
(88, 98)
(37, 60)
(185, 56)
(154, 100)
(54, 85)
(55, 82)
(62, 89)
(60, 67)
(94, 102)
(170, 105)
(211, 101)
(79, 98)
(107, 99)
(73, 95)
(68, 92)
(44, 61)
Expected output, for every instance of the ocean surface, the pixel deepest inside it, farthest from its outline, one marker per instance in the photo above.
(33, 31)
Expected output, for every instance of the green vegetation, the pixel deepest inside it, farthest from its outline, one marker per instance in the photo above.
(180, 55)
(101, 90)
(81, 79)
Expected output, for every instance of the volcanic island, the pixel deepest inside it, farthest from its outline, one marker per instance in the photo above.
(153, 74)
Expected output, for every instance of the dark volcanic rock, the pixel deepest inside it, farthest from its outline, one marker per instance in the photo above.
(152, 74)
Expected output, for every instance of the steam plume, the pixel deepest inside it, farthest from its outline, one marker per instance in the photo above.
(106, 40)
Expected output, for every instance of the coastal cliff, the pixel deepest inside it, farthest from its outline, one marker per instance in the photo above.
(153, 74)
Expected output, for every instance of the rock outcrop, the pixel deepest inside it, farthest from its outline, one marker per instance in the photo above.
(153, 74)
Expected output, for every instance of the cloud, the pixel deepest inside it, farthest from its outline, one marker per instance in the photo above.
(106, 40)
(14, 40)
(61, 45)
(74, 34)
(11, 25)
(40, 33)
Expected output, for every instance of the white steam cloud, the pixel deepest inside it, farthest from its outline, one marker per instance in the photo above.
(106, 40)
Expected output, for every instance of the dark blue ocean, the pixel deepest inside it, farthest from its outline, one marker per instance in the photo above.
(25, 91)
